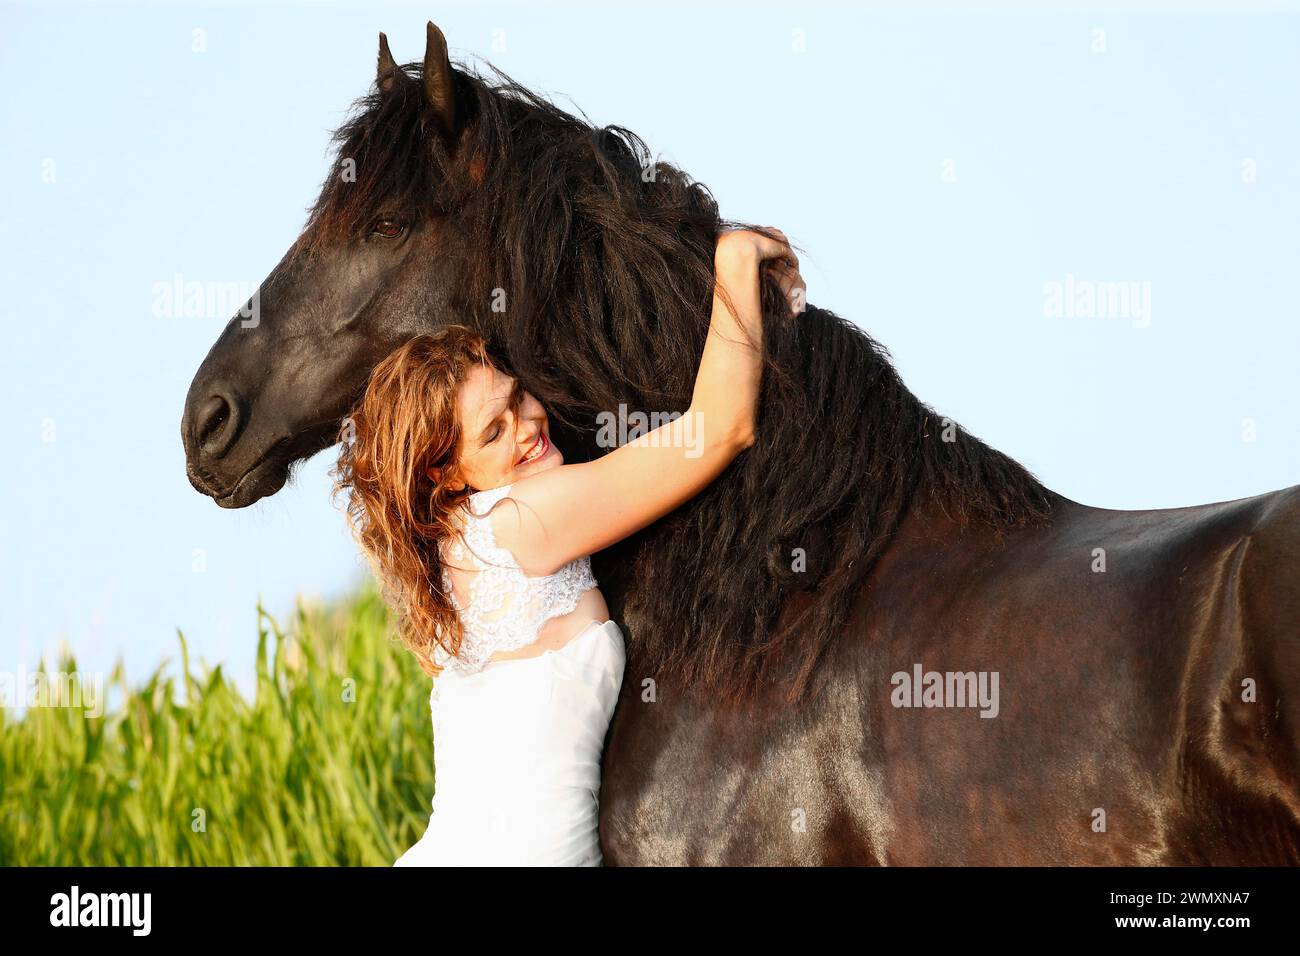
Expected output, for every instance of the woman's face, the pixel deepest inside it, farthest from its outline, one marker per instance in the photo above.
(499, 445)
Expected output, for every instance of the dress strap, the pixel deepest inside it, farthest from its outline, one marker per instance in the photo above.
(478, 534)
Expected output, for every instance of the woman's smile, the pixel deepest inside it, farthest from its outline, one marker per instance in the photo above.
(537, 451)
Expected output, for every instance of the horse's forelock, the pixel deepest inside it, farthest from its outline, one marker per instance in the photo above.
(388, 162)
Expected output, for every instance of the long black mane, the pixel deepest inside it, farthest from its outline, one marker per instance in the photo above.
(588, 265)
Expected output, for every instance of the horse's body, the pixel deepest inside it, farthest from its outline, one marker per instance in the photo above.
(1146, 663)
(1120, 692)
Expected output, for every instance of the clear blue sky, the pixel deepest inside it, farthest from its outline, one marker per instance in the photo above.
(940, 167)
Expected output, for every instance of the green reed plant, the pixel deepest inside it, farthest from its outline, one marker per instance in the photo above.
(329, 764)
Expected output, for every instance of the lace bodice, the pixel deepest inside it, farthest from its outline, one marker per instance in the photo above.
(500, 607)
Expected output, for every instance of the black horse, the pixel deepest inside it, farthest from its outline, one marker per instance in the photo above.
(874, 639)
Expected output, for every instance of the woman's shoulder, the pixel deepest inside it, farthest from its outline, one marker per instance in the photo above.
(498, 528)
(479, 503)
(478, 530)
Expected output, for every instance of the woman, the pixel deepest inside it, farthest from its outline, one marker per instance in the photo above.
(482, 536)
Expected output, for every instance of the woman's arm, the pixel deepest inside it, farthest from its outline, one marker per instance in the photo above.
(575, 510)
(731, 368)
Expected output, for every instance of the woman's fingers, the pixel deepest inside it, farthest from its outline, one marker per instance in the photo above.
(771, 249)
(774, 252)
(765, 245)
(782, 250)
(791, 284)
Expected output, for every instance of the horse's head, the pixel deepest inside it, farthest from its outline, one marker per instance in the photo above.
(364, 276)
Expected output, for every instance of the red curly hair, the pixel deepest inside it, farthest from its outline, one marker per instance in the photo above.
(406, 423)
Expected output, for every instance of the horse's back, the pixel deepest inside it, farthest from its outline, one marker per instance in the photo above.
(1116, 732)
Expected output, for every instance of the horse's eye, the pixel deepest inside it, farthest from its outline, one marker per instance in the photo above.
(387, 229)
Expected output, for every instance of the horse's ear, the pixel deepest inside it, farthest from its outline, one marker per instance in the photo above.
(389, 72)
(438, 84)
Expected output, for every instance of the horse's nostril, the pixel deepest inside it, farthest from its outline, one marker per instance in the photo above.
(215, 426)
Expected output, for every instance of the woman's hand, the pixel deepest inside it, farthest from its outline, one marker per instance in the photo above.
(742, 249)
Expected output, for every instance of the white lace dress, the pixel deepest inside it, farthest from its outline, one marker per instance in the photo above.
(517, 743)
